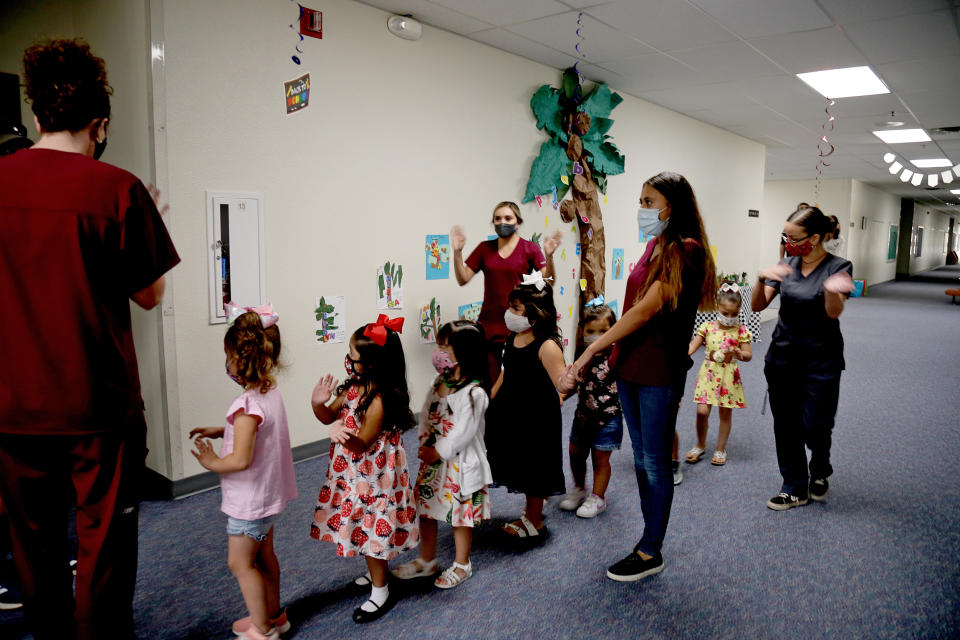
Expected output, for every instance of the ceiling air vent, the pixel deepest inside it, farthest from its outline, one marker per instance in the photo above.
(946, 132)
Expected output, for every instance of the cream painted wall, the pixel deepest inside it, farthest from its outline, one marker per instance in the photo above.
(117, 32)
(875, 211)
(934, 247)
(402, 139)
(780, 199)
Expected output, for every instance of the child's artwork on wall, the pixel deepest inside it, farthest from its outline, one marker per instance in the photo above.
(859, 289)
(613, 304)
(297, 93)
(892, 244)
(429, 322)
(470, 311)
(643, 237)
(389, 286)
(438, 257)
(331, 318)
(617, 267)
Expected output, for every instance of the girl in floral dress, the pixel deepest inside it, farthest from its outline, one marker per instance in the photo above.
(454, 472)
(366, 506)
(718, 383)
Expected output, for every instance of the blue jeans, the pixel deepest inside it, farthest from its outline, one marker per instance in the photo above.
(651, 417)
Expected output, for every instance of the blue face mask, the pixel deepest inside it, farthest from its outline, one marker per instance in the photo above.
(649, 221)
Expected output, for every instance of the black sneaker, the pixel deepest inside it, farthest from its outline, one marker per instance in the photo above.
(819, 489)
(633, 568)
(8, 600)
(783, 501)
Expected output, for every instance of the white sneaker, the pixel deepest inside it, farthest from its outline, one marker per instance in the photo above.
(593, 506)
(677, 473)
(573, 499)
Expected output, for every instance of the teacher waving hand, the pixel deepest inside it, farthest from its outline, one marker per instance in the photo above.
(504, 261)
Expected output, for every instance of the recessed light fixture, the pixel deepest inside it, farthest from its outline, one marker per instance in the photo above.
(903, 135)
(929, 163)
(845, 83)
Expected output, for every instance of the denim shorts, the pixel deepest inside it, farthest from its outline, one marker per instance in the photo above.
(607, 438)
(256, 529)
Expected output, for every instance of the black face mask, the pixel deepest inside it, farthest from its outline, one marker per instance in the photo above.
(98, 149)
(505, 230)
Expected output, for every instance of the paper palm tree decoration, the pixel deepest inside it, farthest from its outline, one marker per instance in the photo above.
(578, 155)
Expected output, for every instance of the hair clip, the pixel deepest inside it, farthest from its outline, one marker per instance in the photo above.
(596, 302)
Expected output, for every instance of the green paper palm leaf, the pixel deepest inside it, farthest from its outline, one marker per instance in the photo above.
(546, 108)
(546, 170)
(601, 102)
(605, 158)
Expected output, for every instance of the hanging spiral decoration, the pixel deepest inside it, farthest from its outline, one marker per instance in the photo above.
(825, 148)
(579, 50)
(296, 29)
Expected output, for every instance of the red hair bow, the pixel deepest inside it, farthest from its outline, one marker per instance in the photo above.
(377, 331)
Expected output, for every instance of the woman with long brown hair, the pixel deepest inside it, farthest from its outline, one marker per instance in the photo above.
(675, 277)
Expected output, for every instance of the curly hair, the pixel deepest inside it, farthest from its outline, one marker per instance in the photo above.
(66, 84)
(256, 350)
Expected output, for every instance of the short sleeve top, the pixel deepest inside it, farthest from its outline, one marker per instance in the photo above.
(263, 488)
(656, 353)
(78, 237)
(500, 276)
(805, 334)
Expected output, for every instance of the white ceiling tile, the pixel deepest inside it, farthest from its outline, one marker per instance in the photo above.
(727, 61)
(668, 26)
(430, 13)
(848, 12)
(785, 94)
(655, 71)
(751, 114)
(935, 108)
(519, 45)
(811, 50)
(878, 105)
(600, 42)
(758, 18)
(922, 35)
(686, 99)
(921, 74)
(504, 12)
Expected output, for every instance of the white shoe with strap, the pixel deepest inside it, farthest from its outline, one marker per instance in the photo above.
(451, 578)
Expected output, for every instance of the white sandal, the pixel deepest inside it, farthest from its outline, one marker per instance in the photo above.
(528, 530)
(693, 456)
(416, 568)
(450, 576)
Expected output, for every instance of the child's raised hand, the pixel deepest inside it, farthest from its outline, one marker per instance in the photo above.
(840, 282)
(428, 454)
(339, 433)
(457, 238)
(550, 244)
(206, 432)
(777, 272)
(204, 453)
(324, 390)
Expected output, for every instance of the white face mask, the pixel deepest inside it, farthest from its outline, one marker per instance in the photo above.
(727, 321)
(588, 340)
(515, 323)
(833, 245)
(649, 221)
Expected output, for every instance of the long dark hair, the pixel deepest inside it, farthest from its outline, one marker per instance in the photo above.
(685, 223)
(470, 349)
(384, 373)
(539, 309)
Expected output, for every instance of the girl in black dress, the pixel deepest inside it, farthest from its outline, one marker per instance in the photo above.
(524, 444)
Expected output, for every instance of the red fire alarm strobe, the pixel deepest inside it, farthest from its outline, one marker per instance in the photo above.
(311, 23)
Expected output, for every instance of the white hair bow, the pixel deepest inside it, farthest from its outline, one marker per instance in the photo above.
(729, 286)
(536, 279)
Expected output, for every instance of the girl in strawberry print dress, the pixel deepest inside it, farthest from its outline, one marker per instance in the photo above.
(718, 383)
(454, 472)
(366, 506)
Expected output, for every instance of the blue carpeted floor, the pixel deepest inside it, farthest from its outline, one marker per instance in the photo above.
(877, 560)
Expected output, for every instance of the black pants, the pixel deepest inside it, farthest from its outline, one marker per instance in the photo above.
(804, 405)
(39, 476)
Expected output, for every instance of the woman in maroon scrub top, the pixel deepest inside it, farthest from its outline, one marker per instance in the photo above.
(503, 261)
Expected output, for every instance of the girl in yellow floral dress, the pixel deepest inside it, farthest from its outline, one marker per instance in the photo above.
(718, 383)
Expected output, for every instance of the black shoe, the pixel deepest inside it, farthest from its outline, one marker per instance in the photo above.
(633, 568)
(819, 489)
(361, 617)
(783, 501)
(9, 600)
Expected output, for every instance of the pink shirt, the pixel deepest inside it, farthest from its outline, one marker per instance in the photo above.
(263, 488)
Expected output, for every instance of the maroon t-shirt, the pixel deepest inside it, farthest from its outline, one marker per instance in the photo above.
(500, 276)
(656, 353)
(78, 237)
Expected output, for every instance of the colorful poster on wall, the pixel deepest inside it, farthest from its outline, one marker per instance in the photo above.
(613, 304)
(297, 93)
(616, 268)
(470, 311)
(429, 322)
(437, 250)
(892, 246)
(390, 286)
(331, 312)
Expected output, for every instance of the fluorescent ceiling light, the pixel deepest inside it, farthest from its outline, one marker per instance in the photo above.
(903, 135)
(845, 83)
(928, 163)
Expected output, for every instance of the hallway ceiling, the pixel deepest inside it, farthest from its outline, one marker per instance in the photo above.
(732, 63)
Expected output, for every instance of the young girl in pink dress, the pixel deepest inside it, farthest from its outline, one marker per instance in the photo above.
(366, 506)
(256, 469)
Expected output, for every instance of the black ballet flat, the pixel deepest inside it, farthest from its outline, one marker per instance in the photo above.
(362, 617)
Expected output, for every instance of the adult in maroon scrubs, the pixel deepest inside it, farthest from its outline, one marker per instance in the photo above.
(503, 261)
(79, 239)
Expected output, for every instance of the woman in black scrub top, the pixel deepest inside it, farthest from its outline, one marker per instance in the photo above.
(805, 358)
